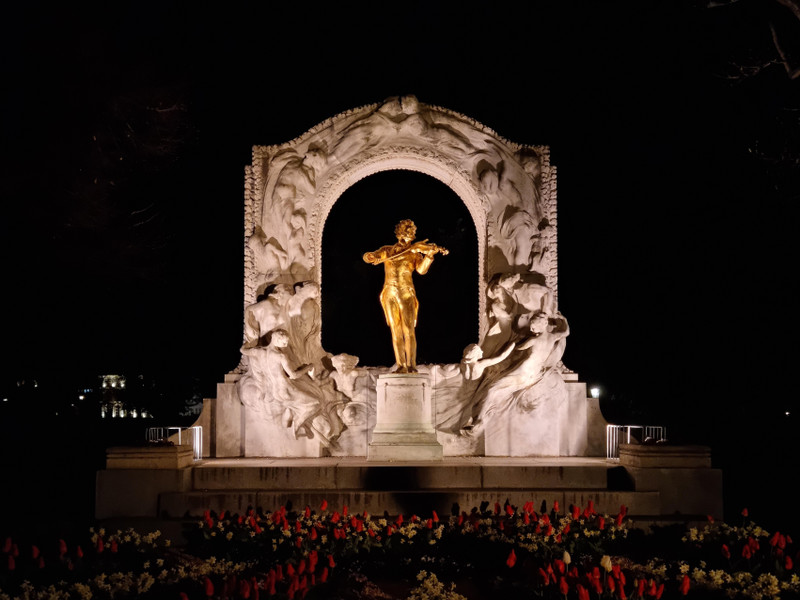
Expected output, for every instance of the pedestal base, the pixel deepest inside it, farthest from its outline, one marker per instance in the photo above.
(405, 418)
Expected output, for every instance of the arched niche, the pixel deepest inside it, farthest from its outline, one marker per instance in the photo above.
(508, 189)
(363, 218)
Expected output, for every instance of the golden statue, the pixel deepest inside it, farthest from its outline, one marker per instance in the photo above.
(398, 298)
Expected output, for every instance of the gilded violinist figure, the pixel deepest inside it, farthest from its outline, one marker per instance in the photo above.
(398, 298)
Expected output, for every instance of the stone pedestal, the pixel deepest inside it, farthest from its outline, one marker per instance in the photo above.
(405, 418)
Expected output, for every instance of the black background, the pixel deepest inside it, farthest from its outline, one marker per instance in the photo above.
(673, 125)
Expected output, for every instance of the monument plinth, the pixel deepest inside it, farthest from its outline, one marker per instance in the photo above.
(404, 429)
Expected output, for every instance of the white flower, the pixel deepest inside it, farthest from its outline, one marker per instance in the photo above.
(605, 562)
(566, 558)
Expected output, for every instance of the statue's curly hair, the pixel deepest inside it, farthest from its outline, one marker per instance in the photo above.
(404, 226)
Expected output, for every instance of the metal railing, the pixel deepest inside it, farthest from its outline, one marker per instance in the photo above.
(188, 436)
(615, 434)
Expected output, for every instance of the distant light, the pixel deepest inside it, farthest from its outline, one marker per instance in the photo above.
(81, 397)
(787, 413)
(595, 392)
(5, 399)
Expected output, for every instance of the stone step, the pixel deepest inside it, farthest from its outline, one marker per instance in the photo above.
(172, 505)
(335, 474)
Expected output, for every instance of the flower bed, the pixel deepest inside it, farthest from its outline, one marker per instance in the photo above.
(498, 551)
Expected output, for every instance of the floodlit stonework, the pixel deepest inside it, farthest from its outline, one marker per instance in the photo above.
(510, 396)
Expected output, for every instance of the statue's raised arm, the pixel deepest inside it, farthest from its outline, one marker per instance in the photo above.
(398, 297)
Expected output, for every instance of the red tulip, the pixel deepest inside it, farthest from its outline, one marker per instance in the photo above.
(331, 562)
(788, 564)
(745, 513)
(313, 533)
(290, 569)
(461, 519)
(399, 519)
(301, 567)
(526, 519)
(710, 518)
(497, 508)
(555, 506)
(62, 547)
(597, 583)
(640, 587)
(344, 510)
(576, 513)
(512, 559)
(509, 510)
(726, 551)
(773, 541)
(659, 591)
(209, 587)
(244, 589)
(324, 505)
(114, 547)
(298, 542)
(323, 577)
(429, 523)
(336, 517)
(746, 553)
(601, 523)
(566, 529)
(549, 529)
(435, 517)
(560, 565)
(652, 590)
(79, 552)
(583, 593)
(618, 520)
(545, 577)
(12, 564)
(563, 586)
(684, 587)
(611, 584)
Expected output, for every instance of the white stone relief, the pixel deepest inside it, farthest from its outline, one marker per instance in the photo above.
(289, 381)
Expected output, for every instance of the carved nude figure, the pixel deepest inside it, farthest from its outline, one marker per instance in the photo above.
(280, 387)
(541, 351)
(398, 297)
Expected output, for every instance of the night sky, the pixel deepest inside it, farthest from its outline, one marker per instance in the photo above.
(673, 125)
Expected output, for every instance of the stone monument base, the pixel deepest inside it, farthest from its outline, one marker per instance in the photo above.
(405, 418)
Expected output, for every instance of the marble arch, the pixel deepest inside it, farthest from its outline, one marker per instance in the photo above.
(508, 189)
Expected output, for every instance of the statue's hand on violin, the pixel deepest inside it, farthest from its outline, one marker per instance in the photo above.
(429, 249)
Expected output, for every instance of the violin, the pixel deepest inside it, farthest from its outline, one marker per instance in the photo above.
(427, 249)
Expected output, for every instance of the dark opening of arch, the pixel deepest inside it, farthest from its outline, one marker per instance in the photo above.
(363, 219)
